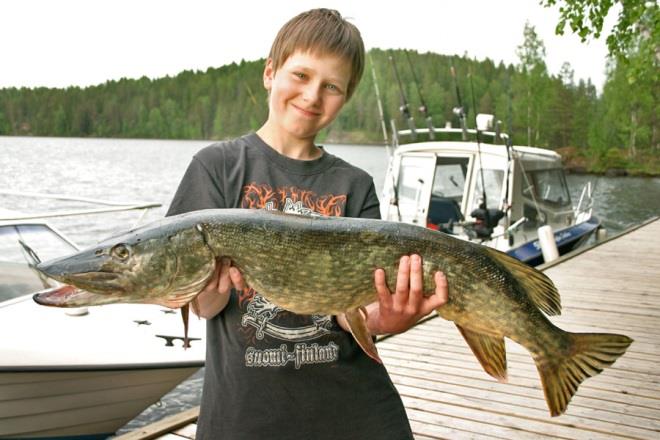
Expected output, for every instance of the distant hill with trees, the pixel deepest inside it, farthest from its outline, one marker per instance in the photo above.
(595, 132)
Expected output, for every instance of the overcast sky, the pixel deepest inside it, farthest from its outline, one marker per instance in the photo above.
(86, 42)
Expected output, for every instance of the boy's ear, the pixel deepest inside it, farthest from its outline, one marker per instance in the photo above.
(268, 74)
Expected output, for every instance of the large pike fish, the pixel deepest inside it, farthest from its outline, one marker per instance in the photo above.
(325, 265)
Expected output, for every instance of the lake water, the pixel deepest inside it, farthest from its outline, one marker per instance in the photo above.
(149, 170)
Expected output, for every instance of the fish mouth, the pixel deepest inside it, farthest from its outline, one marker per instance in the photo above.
(70, 296)
(97, 282)
(83, 275)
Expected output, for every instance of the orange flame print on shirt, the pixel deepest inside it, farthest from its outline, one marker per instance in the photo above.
(257, 196)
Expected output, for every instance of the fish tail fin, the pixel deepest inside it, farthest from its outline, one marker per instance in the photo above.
(587, 356)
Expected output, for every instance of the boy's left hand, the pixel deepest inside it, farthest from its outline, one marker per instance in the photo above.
(397, 311)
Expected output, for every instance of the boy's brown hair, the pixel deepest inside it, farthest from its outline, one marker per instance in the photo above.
(324, 31)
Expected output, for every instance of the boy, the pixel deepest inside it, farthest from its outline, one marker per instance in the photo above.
(271, 374)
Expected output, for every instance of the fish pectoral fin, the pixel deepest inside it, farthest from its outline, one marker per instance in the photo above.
(185, 312)
(489, 350)
(195, 307)
(175, 301)
(588, 354)
(169, 303)
(357, 323)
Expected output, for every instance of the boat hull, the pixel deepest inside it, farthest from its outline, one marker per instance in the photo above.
(87, 375)
(82, 403)
(567, 239)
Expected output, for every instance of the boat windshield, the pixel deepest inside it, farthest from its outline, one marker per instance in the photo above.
(448, 190)
(493, 180)
(16, 276)
(449, 180)
(549, 187)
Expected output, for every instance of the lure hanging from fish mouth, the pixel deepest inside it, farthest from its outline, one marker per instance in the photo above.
(492, 296)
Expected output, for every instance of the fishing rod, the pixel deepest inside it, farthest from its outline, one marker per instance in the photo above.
(383, 126)
(487, 219)
(404, 108)
(460, 110)
(423, 109)
(478, 134)
(528, 187)
(509, 145)
(395, 190)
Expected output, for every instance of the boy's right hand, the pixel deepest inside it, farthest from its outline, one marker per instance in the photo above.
(215, 295)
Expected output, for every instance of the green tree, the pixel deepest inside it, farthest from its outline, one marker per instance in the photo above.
(532, 67)
(586, 18)
(5, 127)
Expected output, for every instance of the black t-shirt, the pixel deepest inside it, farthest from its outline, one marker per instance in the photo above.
(270, 373)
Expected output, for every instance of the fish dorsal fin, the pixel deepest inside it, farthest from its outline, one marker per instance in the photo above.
(538, 287)
(489, 350)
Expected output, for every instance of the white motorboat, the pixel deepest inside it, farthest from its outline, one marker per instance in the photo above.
(472, 184)
(79, 373)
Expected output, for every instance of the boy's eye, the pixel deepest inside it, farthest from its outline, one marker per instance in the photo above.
(299, 75)
(333, 88)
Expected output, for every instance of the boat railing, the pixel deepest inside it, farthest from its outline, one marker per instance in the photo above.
(451, 134)
(586, 197)
(108, 206)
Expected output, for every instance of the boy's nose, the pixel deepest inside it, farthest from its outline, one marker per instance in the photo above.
(312, 93)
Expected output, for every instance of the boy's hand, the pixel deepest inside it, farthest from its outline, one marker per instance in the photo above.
(397, 312)
(215, 295)
(227, 277)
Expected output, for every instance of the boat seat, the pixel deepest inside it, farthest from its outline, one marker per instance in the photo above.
(442, 210)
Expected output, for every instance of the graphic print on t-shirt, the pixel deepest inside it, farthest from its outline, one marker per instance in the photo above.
(292, 199)
(269, 325)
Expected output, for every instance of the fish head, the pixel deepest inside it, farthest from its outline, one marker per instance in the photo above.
(155, 265)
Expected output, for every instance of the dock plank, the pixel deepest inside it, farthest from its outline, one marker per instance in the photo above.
(187, 431)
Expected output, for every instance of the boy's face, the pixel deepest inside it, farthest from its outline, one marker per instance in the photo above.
(306, 93)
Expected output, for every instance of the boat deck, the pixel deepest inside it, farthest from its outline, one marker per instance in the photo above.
(612, 287)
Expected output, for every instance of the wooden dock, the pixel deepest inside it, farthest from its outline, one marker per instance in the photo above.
(612, 287)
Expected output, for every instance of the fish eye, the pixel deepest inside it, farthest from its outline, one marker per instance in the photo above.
(121, 251)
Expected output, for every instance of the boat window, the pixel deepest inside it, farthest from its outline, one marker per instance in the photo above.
(449, 181)
(447, 190)
(410, 181)
(494, 180)
(549, 187)
(16, 277)
(40, 238)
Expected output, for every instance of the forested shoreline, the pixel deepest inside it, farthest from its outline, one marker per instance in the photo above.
(616, 129)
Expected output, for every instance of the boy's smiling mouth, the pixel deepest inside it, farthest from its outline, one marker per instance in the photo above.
(307, 112)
